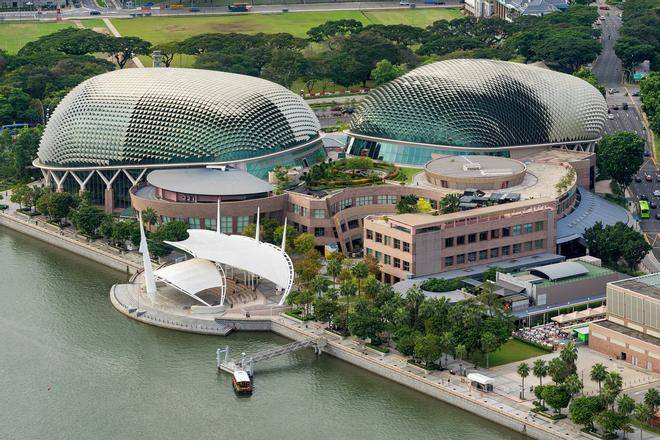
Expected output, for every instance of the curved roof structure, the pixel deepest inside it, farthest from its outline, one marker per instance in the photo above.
(246, 253)
(208, 181)
(191, 277)
(164, 116)
(482, 104)
(559, 271)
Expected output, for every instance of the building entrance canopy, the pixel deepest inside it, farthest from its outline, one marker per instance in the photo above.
(262, 259)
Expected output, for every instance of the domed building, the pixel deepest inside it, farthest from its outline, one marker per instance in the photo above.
(111, 129)
(468, 106)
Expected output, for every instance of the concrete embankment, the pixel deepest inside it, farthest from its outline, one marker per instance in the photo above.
(54, 238)
(516, 420)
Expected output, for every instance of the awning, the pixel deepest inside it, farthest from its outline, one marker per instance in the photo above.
(263, 259)
(191, 277)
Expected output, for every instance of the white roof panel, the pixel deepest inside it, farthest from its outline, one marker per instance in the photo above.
(191, 276)
(559, 271)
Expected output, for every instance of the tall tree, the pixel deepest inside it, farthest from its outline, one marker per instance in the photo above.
(598, 373)
(523, 372)
(360, 272)
(620, 155)
(540, 370)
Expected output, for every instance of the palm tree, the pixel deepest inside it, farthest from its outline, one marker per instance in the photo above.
(360, 271)
(573, 384)
(459, 353)
(652, 399)
(334, 268)
(347, 289)
(598, 373)
(540, 370)
(523, 372)
(149, 216)
(642, 414)
(569, 355)
(612, 387)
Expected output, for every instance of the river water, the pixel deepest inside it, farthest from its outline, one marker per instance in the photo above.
(71, 367)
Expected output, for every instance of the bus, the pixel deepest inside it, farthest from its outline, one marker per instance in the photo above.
(239, 7)
(644, 210)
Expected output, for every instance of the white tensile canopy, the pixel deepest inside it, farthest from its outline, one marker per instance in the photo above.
(245, 253)
(191, 277)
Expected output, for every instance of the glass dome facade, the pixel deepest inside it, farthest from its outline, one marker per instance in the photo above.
(168, 116)
(478, 104)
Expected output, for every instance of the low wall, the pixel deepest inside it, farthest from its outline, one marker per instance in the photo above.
(250, 325)
(53, 238)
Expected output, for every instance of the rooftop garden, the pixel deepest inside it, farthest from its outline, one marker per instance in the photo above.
(353, 171)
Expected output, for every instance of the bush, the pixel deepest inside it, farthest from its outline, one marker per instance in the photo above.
(3, 207)
(441, 285)
(534, 344)
(298, 314)
(377, 348)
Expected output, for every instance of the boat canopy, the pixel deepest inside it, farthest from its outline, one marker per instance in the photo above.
(241, 376)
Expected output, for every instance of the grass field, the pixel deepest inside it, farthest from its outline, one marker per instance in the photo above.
(513, 351)
(164, 29)
(408, 173)
(13, 36)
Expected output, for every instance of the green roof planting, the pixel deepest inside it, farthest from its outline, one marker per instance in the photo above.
(162, 115)
(481, 104)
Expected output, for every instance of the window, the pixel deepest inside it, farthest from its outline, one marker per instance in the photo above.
(516, 248)
(517, 229)
(397, 262)
(406, 266)
(211, 223)
(379, 237)
(494, 252)
(506, 250)
(386, 200)
(300, 210)
(378, 255)
(165, 219)
(369, 252)
(483, 255)
(303, 228)
(406, 247)
(241, 222)
(319, 232)
(319, 213)
(226, 225)
(353, 223)
(495, 233)
(528, 228)
(370, 234)
(506, 232)
(340, 206)
(538, 244)
(386, 259)
(539, 226)
(364, 200)
(387, 240)
(194, 223)
(460, 259)
(527, 246)
(460, 241)
(483, 236)
(449, 242)
(397, 243)
(449, 261)
(472, 256)
(472, 238)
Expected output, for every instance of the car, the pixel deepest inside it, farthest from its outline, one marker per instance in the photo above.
(610, 116)
(657, 178)
(625, 106)
(657, 215)
(647, 153)
(656, 193)
(613, 91)
(653, 204)
(94, 12)
(615, 107)
(636, 93)
(638, 179)
(404, 3)
(602, 17)
(193, 9)
(648, 178)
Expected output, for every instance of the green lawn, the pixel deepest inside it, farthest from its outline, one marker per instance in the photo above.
(513, 351)
(13, 36)
(164, 29)
(408, 173)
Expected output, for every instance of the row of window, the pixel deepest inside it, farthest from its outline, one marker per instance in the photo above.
(494, 234)
(389, 260)
(362, 201)
(388, 241)
(226, 223)
(487, 254)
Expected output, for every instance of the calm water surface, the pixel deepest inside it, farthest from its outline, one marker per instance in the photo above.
(71, 367)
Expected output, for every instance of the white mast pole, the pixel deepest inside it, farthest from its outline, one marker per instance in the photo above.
(256, 234)
(149, 280)
(217, 222)
(284, 237)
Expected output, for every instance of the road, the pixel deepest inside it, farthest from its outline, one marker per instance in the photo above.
(114, 11)
(609, 71)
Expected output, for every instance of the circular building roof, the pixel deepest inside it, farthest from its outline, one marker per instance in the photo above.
(481, 104)
(208, 182)
(160, 116)
(475, 166)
